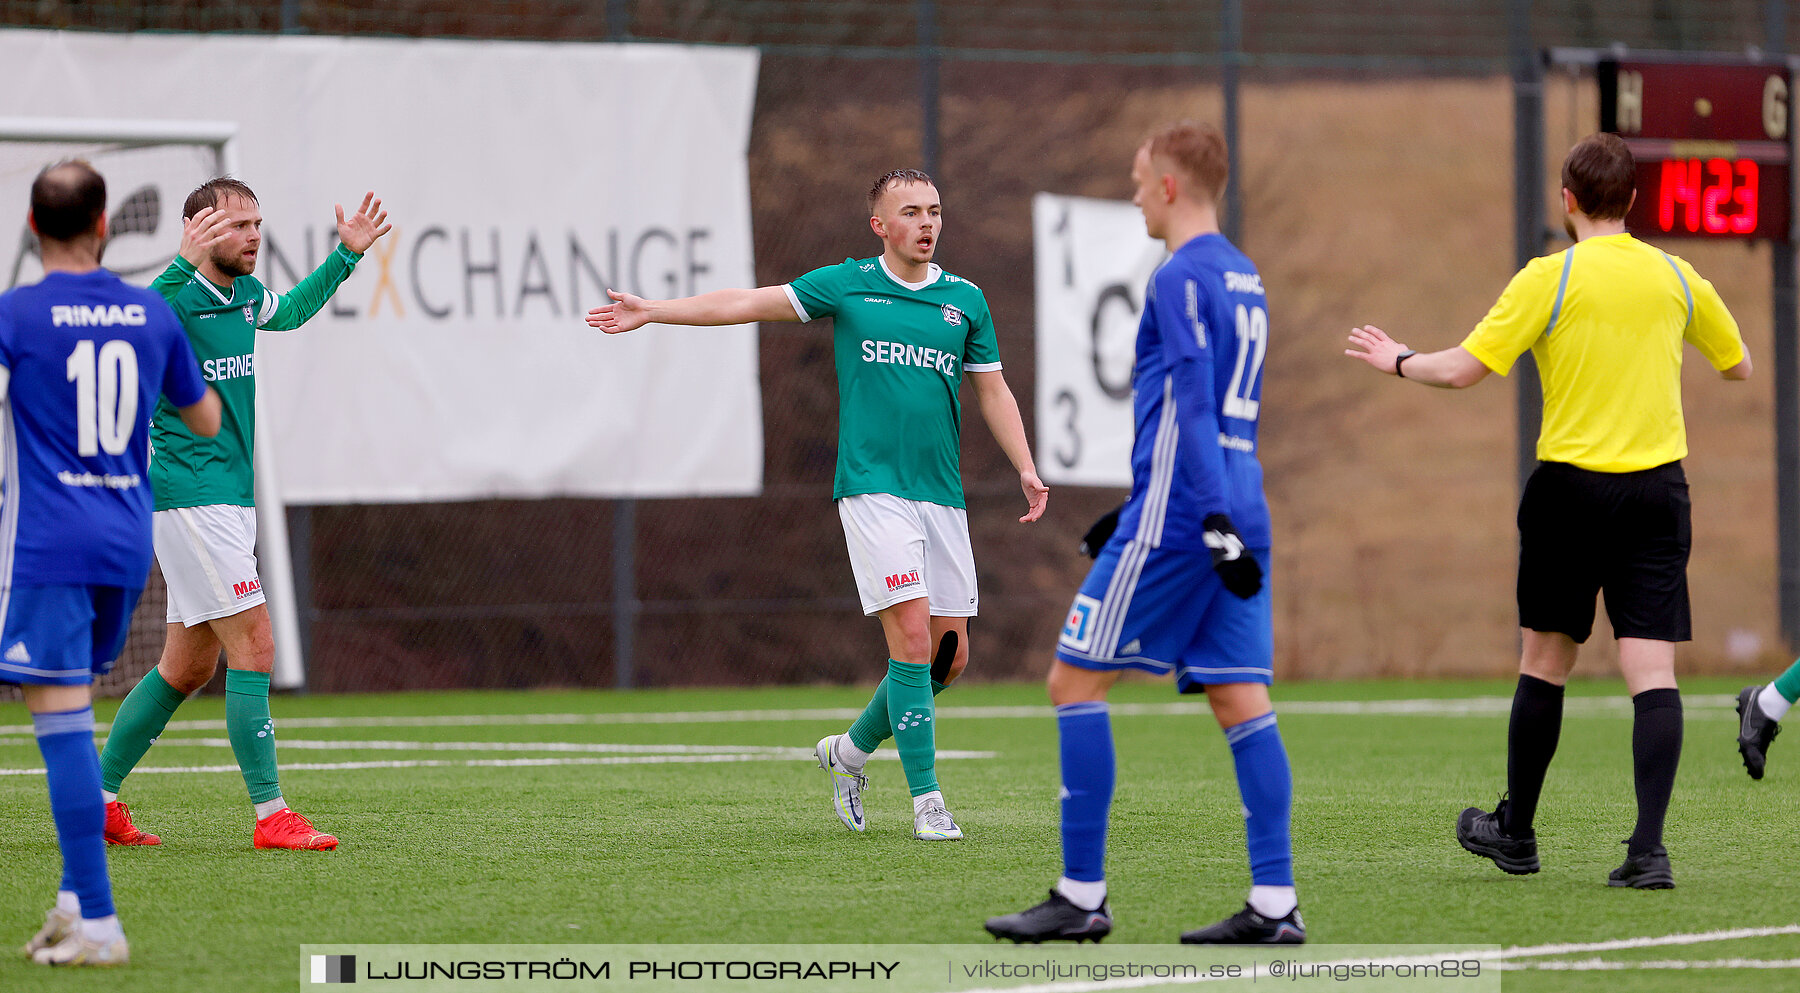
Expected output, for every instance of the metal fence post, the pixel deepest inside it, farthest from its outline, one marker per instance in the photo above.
(928, 87)
(1787, 388)
(1231, 50)
(1528, 210)
(625, 603)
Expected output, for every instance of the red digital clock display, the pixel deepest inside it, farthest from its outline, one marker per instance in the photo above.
(1712, 146)
(1715, 196)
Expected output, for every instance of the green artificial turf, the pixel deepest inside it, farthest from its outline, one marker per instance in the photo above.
(744, 848)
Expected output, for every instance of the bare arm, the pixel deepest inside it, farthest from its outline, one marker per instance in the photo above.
(1451, 368)
(1001, 412)
(628, 312)
(1739, 372)
(202, 416)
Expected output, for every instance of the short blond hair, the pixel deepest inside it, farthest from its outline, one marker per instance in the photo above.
(1198, 150)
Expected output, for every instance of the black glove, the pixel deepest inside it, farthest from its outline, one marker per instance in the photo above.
(1102, 529)
(1236, 567)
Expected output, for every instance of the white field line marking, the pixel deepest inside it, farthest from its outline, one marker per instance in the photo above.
(1693, 938)
(1486, 706)
(640, 754)
(1599, 965)
(759, 751)
(1500, 957)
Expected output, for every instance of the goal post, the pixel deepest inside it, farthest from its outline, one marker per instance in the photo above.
(108, 142)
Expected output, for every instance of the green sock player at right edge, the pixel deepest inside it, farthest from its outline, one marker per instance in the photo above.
(1760, 710)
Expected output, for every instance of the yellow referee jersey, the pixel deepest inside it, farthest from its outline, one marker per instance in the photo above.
(1606, 320)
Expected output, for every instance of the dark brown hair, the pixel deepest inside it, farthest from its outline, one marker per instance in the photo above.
(212, 191)
(1601, 174)
(67, 200)
(894, 178)
(1196, 149)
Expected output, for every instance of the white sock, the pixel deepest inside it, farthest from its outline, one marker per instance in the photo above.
(1273, 902)
(921, 801)
(1773, 703)
(267, 807)
(67, 903)
(1087, 896)
(102, 929)
(109, 797)
(849, 756)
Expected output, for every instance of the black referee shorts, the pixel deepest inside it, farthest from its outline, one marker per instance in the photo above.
(1622, 533)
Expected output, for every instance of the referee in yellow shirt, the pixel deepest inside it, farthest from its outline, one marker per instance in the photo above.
(1606, 511)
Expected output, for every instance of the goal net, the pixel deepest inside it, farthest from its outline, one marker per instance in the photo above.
(150, 167)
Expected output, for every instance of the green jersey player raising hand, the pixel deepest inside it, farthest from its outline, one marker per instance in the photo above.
(905, 332)
(205, 520)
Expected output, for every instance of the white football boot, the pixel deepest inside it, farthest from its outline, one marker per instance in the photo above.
(846, 786)
(57, 925)
(934, 823)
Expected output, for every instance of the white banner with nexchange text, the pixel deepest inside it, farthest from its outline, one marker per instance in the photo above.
(1093, 261)
(522, 180)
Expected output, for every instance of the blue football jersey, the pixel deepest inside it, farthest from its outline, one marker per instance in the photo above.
(84, 358)
(1196, 394)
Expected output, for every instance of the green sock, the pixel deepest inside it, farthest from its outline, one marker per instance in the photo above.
(871, 727)
(1788, 683)
(141, 718)
(910, 712)
(252, 732)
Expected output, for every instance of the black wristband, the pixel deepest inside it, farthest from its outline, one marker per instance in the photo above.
(1401, 359)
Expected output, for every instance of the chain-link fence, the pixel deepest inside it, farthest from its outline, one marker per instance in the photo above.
(1376, 187)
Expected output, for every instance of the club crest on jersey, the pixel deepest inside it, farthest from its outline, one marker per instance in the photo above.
(249, 314)
(952, 316)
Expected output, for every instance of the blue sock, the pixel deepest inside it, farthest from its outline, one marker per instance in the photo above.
(1267, 788)
(66, 737)
(1087, 774)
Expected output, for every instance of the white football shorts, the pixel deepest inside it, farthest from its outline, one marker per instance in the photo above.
(904, 549)
(208, 558)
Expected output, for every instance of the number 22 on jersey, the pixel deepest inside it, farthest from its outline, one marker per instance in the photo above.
(1253, 345)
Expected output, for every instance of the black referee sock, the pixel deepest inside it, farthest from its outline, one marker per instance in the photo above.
(1530, 745)
(1655, 752)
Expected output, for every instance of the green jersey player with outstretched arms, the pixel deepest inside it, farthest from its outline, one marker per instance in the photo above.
(905, 333)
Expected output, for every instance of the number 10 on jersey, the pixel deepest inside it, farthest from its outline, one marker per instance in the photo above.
(106, 396)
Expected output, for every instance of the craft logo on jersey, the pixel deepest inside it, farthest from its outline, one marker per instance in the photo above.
(246, 588)
(952, 316)
(902, 580)
(80, 316)
(1078, 630)
(249, 314)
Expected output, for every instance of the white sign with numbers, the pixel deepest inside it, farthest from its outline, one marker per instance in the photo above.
(1093, 263)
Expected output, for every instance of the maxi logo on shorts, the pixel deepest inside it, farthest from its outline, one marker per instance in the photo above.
(902, 580)
(244, 589)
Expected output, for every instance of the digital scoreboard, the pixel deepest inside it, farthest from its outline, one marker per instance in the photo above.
(1713, 143)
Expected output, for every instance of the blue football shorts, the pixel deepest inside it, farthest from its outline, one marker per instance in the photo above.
(63, 635)
(1165, 610)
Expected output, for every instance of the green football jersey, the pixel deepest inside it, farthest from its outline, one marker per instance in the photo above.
(901, 352)
(190, 471)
